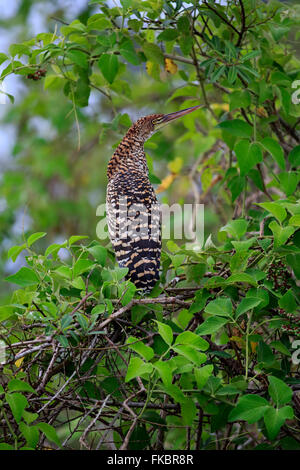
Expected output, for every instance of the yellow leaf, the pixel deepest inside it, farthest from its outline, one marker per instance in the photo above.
(262, 112)
(237, 339)
(153, 69)
(18, 362)
(222, 106)
(166, 182)
(176, 165)
(170, 66)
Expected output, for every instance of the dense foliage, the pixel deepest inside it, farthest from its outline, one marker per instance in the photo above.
(209, 360)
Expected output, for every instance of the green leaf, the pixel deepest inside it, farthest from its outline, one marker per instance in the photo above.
(211, 325)
(248, 303)
(17, 385)
(289, 181)
(236, 127)
(279, 391)
(128, 52)
(99, 22)
(237, 228)
(276, 209)
(31, 434)
(24, 277)
(153, 53)
(54, 249)
(109, 66)
(202, 375)
(295, 220)
(279, 346)
(288, 302)
(294, 157)
(17, 403)
(50, 433)
(239, 99)
(250, 408)
(6, 447)
(248, 155)
(265, 354)
(199, 301)
(136, 368)
(250, 55)
(168, 35)
(64, 271)
(138, 346)
(217, 74)
(165, 372)
(275, 418)
(81, 266)
(6, 311)
(221, 306)
(34, 237)
(165, 332)
(175, 392)
(120, 273)
(188, 412)
(14, 251)
(3, 57)
(128, 293)
(281, 234)
(232, 75)
(78, 57)
(19, 50)
(186, 43)
(243, 246)
(273, 147)
(190, 338)
(190, 353)
(183, 24)
(236, 186)
(75, 238)
(82, 90)
(241, 277)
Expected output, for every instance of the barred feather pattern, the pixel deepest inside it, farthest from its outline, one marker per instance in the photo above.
(132, 209)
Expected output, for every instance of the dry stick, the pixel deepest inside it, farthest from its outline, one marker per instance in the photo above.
(199, 429)
(81, 302)
(110, 428)
(244, 28)
(85, 356)
(48, 371)
(82, 438)
(128, 435)
(29, 351)
(161, 432)
(127, 407)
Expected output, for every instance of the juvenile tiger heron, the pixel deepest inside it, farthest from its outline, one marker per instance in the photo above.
(133, 214)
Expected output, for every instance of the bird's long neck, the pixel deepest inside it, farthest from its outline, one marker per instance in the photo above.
(129, 156)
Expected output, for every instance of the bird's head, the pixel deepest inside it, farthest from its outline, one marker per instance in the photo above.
(146, 126)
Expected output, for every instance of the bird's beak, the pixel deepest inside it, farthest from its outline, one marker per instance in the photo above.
(172, 116)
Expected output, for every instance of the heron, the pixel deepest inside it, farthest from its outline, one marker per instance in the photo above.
(132, 209)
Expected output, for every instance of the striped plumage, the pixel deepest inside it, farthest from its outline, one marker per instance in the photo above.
(131, 196)
(132, 209)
